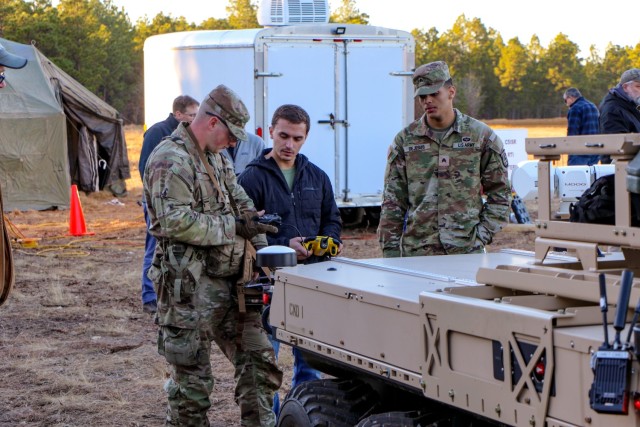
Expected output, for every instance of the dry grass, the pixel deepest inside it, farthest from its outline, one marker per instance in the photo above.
(536, 128)
(77, 349)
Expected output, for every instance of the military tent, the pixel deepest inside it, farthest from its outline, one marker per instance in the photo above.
(54, 133)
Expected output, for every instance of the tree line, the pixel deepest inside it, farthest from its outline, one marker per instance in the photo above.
(95, 42)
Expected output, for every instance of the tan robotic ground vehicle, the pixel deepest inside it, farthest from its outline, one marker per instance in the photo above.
(510, 338)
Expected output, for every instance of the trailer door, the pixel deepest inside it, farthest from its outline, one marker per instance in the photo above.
(355, 104)
(306, 78)
(373, 100)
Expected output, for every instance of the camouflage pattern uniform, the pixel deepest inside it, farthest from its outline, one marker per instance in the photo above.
(436, 185)
(195, 272)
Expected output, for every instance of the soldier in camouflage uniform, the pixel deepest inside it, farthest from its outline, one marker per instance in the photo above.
(437, 169)
(198, 261)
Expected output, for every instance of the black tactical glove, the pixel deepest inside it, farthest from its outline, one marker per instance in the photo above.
(247, 226)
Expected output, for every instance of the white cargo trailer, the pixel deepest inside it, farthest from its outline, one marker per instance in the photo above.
(353, 80)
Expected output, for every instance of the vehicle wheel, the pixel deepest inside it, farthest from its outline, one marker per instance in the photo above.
(265, 319)
(332, 402)
(373, 216)
(404, 419)
(351, 217)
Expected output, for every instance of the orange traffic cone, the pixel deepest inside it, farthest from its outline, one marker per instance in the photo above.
(77, 226)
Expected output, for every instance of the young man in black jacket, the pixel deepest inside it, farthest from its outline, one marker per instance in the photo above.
(285, 182)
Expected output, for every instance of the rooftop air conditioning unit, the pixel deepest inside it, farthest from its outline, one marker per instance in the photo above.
(286, 12)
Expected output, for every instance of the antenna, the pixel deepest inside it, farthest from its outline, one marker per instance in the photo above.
(622, 307)
(604, 308)
(636, 314)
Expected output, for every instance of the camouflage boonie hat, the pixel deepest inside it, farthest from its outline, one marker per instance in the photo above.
(228, 105)
(630, 75)
(429, 78)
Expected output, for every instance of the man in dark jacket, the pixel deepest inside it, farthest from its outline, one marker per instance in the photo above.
(184, 110)
(244, 151)
(619, 109)
(582, 119)
(285, 182)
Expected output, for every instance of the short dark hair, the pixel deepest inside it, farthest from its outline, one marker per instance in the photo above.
(182, 102)
(293, 114)
(572, 92)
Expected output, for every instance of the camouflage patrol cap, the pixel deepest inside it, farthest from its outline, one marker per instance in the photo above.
(228, 105)
(429, 78)
(630, 75)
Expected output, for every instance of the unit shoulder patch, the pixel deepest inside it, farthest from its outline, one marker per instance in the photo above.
(505, 161)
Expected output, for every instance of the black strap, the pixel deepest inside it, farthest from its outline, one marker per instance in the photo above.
(241, 307)
(233, 151)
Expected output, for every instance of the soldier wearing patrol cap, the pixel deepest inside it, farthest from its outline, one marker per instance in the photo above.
(201, 218)
(438, 169)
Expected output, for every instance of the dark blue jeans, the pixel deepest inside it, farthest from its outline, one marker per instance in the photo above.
(301, 372)
(148, 293)
(580, 160)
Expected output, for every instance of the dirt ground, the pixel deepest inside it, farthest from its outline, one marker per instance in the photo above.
(77, 350)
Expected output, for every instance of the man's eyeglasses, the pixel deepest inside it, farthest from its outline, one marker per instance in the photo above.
(232, 137)
(2, 77)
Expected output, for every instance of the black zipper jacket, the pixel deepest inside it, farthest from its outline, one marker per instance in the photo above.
(309, 209)
(619, 114)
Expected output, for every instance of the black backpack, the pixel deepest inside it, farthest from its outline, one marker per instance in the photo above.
(597, 205)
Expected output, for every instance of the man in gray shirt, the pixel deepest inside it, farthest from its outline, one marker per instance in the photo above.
(243, 152)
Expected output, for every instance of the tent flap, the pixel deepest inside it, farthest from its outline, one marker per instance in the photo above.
(53, 133)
